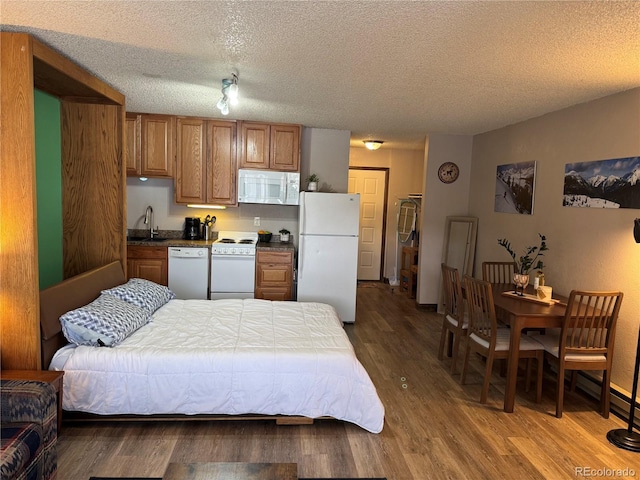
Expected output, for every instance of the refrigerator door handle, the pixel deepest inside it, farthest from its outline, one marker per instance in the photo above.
(300, 257)
(302, 214)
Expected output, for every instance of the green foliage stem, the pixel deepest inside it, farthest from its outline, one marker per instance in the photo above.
(531, 258)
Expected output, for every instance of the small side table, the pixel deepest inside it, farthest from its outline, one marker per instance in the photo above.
(409, 270)
(49, 376)
(231, 471)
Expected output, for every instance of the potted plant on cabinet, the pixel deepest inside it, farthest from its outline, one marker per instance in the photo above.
(284, 235)
(312, 182)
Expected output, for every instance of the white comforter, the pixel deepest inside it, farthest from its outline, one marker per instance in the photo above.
(226, 357)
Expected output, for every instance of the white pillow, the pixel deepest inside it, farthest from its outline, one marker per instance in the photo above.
(104, 322)
(142, 293)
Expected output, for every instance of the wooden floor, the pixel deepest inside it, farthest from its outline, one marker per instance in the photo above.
(435, 428)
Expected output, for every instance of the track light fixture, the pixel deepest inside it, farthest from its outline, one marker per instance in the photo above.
(373, 144)
(229, 93)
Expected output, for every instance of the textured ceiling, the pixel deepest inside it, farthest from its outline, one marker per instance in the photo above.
(394, 71)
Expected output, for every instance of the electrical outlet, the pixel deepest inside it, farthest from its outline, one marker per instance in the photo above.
(256, 221)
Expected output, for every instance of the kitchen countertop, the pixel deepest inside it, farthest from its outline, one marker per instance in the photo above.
(275, 246)
(173, 239)
(171, 242)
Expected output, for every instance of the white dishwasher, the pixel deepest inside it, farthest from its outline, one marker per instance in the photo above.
(189, 272)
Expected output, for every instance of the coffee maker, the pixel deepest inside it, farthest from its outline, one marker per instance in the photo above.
(192, 228)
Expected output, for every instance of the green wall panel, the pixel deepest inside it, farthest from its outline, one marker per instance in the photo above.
(49, 187)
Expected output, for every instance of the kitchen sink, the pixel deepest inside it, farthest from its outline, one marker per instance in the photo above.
(147, 239)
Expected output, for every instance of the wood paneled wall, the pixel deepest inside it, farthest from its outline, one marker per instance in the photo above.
(19, 327)
(93, 196)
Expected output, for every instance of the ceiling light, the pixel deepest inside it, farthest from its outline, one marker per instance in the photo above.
(229, 93)
(225, 108)
(233, 93)
(373, 144)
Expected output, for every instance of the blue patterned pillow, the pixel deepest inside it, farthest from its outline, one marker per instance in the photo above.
(104, 322)
(142, 293)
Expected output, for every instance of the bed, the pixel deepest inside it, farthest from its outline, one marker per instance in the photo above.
(200, 357)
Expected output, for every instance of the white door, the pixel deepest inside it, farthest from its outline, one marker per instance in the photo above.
(371, 185)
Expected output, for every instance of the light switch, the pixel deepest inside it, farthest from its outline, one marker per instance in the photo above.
(256, 221)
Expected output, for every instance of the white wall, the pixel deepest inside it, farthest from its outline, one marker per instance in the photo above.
(325, 152)
(589, 248)
(439, 201)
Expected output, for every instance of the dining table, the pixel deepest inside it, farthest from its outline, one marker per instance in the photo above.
(521, 313)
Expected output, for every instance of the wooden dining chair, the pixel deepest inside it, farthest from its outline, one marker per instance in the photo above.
(485, 338)
(498, 272)
(455, 322)
(585, 341)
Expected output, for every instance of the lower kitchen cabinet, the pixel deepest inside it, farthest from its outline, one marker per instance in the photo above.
(274, 275)
(150, 263)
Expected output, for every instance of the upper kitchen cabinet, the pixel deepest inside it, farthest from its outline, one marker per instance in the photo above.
(284, 153)
(221, 163)
(133, 156)
(150, 145)
(206, 161)
(269, 146)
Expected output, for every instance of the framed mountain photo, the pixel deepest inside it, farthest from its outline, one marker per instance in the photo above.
(515, 184)
(613, 183)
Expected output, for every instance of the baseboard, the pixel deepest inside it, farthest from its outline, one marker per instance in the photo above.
(430, 307)
(620, 402)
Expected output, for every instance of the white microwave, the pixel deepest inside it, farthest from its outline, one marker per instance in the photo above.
(267, 186)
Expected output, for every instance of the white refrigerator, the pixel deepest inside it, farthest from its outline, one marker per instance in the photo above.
(328, 250)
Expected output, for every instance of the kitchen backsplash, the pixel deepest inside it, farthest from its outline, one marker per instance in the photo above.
(167, 215)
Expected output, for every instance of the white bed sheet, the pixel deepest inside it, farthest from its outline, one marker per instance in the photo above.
(226, 357)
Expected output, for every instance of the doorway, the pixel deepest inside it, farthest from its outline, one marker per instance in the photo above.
(371, 184)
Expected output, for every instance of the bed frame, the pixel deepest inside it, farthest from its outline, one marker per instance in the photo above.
(68, 295)
(82, 289)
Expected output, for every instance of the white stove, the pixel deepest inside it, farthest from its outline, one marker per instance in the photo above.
(233, 265)
(235, 243)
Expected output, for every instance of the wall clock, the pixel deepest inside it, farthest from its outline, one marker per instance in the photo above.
(448, 172)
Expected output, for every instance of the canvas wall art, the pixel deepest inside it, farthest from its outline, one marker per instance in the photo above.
(613, 183)
(514, 188)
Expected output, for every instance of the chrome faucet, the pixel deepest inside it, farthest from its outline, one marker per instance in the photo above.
(148, 220)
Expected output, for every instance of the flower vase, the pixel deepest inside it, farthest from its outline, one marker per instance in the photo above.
(520, 280)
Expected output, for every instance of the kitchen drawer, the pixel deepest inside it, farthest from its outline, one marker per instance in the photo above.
(275, 257)
(141, 251)
(273, 274)
(273, 293)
